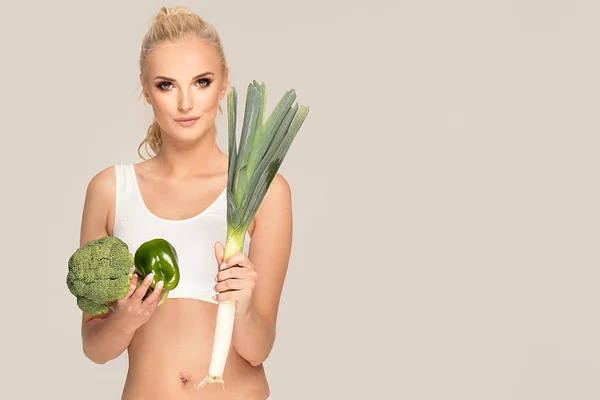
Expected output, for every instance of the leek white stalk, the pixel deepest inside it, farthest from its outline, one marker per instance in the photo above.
(251, 169)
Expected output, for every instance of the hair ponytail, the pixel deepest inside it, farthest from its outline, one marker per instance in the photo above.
(153, 139)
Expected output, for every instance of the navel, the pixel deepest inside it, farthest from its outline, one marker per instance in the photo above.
(182, 377)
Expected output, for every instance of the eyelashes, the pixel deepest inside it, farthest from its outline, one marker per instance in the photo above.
(205, 82)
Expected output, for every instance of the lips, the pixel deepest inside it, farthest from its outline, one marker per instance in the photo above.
(187, 121)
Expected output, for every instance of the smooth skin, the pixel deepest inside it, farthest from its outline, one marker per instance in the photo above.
(170, 346)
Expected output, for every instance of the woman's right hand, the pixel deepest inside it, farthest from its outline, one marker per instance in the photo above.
(134, 311)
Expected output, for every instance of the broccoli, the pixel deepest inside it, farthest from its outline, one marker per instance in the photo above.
(100, 271)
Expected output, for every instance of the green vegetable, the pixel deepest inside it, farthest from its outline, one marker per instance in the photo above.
(99, 272)
(263, 146)
(160, 257)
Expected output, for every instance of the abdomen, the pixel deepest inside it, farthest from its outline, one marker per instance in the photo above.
(170, 354)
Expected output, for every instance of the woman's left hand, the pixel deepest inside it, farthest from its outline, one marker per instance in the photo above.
(236, 280)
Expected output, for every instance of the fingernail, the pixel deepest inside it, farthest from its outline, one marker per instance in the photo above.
(150, 276)
(215, 278)
(159, 284)
(223, 265)
(214, 297)
(132, 269)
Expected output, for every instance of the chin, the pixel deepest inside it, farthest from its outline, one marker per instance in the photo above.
(188, 134)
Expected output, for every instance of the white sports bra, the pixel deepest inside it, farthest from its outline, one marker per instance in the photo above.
(193, 238)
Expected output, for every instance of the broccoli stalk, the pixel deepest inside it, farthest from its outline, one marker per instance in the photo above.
(100, 271)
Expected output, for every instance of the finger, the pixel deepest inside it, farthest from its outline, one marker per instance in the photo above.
(219, 251)
(233, 284)
(132, 286)
(239, 260)
(221, 297)
(237, 295)
(155, 296)
(143, 288)
(232, 273)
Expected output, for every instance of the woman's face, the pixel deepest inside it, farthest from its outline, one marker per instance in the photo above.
(185, 80)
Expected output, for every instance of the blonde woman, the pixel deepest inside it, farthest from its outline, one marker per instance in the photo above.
(179, 194)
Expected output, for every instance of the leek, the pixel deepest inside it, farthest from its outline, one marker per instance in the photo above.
(251, 169)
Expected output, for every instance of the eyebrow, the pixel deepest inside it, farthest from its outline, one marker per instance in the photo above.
(171, 79)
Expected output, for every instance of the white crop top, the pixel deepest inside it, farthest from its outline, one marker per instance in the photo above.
(193, 238)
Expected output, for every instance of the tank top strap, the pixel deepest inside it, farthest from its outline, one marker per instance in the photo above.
(129, 177)
(125, 188)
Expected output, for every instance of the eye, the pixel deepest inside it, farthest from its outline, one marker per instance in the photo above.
(204, 82)
(161, 85)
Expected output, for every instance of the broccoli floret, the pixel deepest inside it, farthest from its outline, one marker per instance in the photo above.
(99, 272)
(89, 307)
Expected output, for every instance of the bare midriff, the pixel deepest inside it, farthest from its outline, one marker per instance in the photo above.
(170, 354)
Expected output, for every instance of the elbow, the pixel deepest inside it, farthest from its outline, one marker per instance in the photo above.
(92, 356)
(258, 359)
(94, 359)
(255, 362)
(98, 361)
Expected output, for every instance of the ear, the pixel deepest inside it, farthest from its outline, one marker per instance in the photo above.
(144, 92)
(223, 91)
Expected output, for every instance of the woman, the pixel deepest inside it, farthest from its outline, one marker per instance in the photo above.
(179, 194)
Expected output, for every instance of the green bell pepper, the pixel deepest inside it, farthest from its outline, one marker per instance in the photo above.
(160, 257)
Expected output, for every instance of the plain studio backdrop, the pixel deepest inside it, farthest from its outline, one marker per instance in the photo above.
(445, 190)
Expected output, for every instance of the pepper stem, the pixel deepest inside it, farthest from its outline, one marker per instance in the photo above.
(164, 295)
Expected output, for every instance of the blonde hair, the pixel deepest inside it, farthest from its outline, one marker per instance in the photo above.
(172, 25)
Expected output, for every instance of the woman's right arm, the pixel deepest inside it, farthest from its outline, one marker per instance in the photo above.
(105, 337)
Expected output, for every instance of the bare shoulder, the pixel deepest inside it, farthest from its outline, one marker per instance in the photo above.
(103, 180)
(102, 188)
(278, 199)
(98, 205)
(279, 190)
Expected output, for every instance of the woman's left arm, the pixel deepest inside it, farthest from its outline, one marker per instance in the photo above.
(256, 280)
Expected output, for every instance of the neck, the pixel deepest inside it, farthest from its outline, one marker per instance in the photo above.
(184, 161)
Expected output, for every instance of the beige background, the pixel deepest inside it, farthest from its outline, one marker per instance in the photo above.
(445, 190)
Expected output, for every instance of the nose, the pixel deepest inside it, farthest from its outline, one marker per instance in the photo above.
(185, 102)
